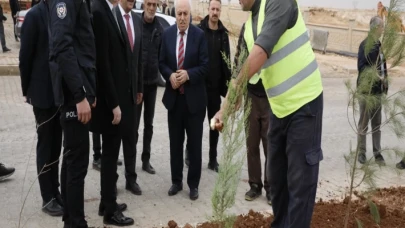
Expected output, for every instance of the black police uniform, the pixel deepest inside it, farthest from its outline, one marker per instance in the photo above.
(72, 65)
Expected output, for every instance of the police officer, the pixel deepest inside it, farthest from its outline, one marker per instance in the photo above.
(72, 66)
(281, 55)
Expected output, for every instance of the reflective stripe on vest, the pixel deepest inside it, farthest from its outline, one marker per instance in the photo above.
(290, 76)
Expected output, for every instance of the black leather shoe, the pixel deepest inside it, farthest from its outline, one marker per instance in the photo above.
(59, 200)
(193, 193)
(118, 219)
(148, 168)
(175, 189)
(6, 49)
(213, 166)
(134, 188)
(52, 208)
(121, 207)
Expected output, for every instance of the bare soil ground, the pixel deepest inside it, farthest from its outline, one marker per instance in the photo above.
(390, 203)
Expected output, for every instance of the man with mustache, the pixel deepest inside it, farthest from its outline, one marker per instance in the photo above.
(183, 62)
(216, 81)
(152, 37)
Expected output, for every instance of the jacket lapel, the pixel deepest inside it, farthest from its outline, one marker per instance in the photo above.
(174, 45)
(122, 25)
(189, 44)
(112, 18)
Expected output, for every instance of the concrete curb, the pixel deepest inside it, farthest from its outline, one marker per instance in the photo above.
(9, 70)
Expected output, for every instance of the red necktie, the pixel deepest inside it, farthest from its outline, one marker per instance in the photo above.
(129, 32)
(180, 60)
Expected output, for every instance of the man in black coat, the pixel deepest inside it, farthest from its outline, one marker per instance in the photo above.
(366, 59)
(119, 89)
(151, 40)
(72, 63)
(37, 89)
(2, 34)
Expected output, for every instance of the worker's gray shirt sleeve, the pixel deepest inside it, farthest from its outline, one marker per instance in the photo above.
(279, 16)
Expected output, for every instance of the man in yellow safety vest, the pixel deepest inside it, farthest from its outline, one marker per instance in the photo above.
(281, 55)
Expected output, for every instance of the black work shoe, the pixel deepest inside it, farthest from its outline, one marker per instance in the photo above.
(5, 172)
(193, 193)
(253, 193)
(401, 165)
(97, 164)
(121, 207)
(148, 168)
(213, 166)
(362, 158)
(119, 162)
(118, 219)
(52, 208)
(379, 159)
(6, 49)
(174, 189)
(134, 188)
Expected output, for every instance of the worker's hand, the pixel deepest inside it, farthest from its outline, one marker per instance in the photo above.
(217, 121)
(117, 115)
(83, 111)
(139, 98)
(173, 81)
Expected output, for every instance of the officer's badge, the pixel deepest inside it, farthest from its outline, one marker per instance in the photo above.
(61, 10)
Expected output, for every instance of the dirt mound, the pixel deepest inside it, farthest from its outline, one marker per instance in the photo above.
(390, 203)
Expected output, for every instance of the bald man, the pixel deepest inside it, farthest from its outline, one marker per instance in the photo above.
(185, 94)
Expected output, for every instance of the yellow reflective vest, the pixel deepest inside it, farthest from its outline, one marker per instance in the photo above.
(290, 75)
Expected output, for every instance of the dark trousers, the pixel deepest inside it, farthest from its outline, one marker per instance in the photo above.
(49, 147)
(96, 146)
(293, 164)
(2, 35)
(149, 101)
(373, 116)
(74, 167)
(214, 104)
(108, 172)
(129, 151)
(259, 120)
(181, 120)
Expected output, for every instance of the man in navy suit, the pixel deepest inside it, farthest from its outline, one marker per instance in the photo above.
(183, 62)
(37, 90)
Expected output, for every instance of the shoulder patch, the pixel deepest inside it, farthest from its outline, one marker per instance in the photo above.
(61, 10)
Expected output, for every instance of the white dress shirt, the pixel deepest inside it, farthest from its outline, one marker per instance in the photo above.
(178, 42)
(109, 4)
(131, 21)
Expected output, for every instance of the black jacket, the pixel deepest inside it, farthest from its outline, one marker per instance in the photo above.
(365, 60)
(34, 67)
(72, 52)
(119, 76)
(14, 6)
(225, 48)
(151, 42)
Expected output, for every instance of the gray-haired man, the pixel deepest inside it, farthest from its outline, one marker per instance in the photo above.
(365, 60)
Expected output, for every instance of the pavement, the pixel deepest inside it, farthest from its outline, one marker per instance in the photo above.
(20, 196)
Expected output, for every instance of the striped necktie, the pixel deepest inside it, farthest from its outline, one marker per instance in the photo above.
(180, 58)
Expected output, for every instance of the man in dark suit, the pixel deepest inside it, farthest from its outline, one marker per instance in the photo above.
(37, 90)
(119, 89)
(183, 62)
(15, 7)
